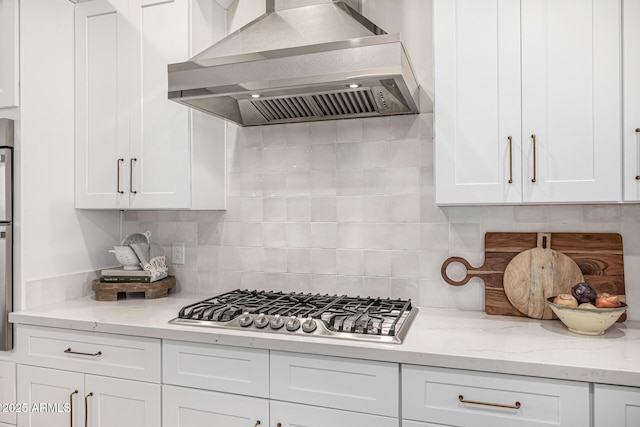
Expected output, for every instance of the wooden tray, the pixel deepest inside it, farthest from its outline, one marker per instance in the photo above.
(599, 256)
(110, 291)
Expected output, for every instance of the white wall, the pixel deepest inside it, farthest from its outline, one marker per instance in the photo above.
(56, 239)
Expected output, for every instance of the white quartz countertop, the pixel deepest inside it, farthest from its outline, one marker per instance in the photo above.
(437, 337)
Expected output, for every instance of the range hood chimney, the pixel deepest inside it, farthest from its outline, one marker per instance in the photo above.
(303, 60)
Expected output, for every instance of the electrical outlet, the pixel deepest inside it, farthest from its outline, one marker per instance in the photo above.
(177, 253)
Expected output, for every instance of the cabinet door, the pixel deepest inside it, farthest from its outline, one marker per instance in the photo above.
(186, 407)
(571, 100)
(7, 390)
(114, 402)
(477, 110)
(62, 389)
(159, 135)
(9, 53)
(102, 105)
(616, 406)
(631, 99)
(293, 415)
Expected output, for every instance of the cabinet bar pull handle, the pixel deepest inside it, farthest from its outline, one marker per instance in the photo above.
(638, 176)
(118, 174)
(533, 137)
(131, 190)
(257, 423)
(71, 407)
(510, 159)
(497, 405)
(86, 409)
(82, 354)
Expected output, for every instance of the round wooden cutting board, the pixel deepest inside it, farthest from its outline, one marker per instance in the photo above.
(536, 274)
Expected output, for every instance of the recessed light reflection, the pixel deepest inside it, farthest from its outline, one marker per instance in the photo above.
(354, 85)
(255, 95)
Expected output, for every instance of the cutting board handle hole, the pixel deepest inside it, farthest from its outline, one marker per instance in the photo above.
(544, 242)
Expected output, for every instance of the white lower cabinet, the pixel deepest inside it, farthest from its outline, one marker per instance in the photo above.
(187, 407)
(7, 391)
(616, 406)
(286, 414)
(62, 398)
(208, 384)
(94, 379)
(461, 398)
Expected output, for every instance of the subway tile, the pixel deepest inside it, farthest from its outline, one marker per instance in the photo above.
(349, 156)
(299, 209)
(349, 182)
(323, 157)
(298, 157)
(350, 235)
(349, 208)
(274, 159)
(323, 261)
(405, 236)
(349, 130)
(299, 260)
(298, 235)
(324, 234)
(323, 183)
(275, 234)
(376, 236)
(274, 209)
(349, 262)
(323, 209)
(324, 132)
(377, 263)
(376, 209)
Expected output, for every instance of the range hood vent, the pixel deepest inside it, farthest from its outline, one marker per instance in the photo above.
(337, 104)
(304, 60)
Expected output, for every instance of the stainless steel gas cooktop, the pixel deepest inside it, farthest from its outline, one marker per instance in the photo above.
(339, 316)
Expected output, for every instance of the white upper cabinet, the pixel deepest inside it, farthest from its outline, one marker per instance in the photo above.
(9, 53)
(527, 106)
(631, 100)
(477, 104)
(135, 149)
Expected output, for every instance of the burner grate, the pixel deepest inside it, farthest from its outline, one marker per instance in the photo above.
(326, 315)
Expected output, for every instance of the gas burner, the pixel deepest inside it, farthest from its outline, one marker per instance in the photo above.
(339, 316)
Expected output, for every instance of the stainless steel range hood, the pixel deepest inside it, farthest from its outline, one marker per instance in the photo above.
(303, 60)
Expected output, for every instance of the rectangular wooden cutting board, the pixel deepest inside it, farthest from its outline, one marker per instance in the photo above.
(599, 256)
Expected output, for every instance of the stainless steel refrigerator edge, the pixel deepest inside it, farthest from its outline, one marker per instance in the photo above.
(6, 235)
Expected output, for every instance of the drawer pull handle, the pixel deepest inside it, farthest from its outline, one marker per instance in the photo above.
(257, 423)
(279, 425)
(510, 159)
(86, 409)
(533, 138)
(118, 175)
(131, 190)
(638, 176)
(497, 405)
(71, 407)
(82, 354)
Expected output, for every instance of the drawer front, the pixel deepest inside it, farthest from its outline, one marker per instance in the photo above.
(433, 395)
(187, 407)
(616, 406)
(219, 368)
(333, 382)
(294, 415)
(111, 355)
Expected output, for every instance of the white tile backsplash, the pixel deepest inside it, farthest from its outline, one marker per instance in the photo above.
(348, 207)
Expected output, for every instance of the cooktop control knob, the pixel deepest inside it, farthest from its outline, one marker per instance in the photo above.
(277, 322)
(293, 324)
(309, 325)
(245, 320)
(261, 321)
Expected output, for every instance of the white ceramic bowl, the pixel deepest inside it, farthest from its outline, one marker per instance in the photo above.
(587, 321)
(127, 257)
